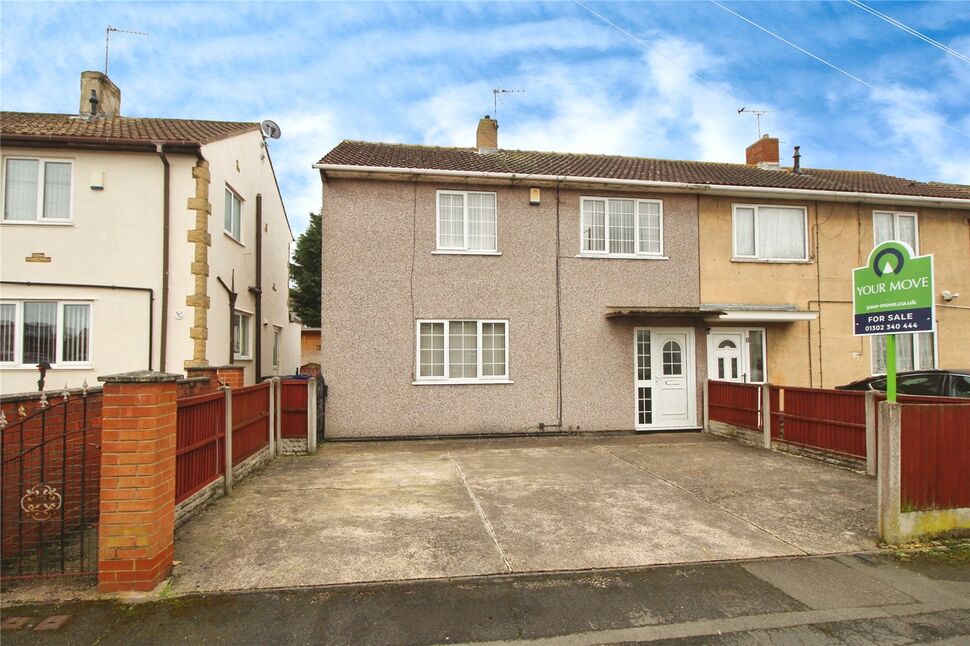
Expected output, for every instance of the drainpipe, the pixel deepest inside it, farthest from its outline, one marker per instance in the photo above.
(232, 308)
(166, 216)
(257, 291)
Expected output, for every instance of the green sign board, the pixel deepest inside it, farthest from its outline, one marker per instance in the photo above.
(893, 293)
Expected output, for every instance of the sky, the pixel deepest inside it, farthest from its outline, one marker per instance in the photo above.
(665, 79)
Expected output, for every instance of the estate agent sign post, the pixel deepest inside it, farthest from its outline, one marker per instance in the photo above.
(893, 294)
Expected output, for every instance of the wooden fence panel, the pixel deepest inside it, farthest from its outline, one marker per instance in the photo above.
(935, 456)
(200, 455)
(830, 420)
(250, 420)
(293, 407)
(734, 403)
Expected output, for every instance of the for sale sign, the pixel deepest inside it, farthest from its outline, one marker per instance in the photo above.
(893, 293)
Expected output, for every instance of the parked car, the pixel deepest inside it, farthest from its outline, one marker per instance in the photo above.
(936, 383)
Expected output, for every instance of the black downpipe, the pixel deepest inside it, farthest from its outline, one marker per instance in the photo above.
(258, 291)
(231, 291)
(166, 181)
(151, 301)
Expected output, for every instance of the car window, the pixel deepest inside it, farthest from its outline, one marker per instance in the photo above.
(959, 386)
(920, 384)
(878, 384)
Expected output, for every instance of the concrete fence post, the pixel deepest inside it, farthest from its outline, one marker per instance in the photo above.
(871, 460)
(271, 430)
(227, 391)
(766, 413)
(888, 478)
(707, 406)
(136, 532)
(311, 416)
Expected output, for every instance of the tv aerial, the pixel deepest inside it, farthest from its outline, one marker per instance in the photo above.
(107, 36)
(495, 94)
(270, 129)
(757, 115)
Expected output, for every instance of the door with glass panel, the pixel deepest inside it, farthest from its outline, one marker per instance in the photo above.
(736, 355)
(663, 378)
(726, 356)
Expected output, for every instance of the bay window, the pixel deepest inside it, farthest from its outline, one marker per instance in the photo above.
(36, 190)
(621, 227)
(462, 351)
(467, 222)
(34, 332)
(774, 233)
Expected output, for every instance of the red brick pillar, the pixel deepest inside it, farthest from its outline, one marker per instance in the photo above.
(209, 372)
(137, 528)
(232, 376)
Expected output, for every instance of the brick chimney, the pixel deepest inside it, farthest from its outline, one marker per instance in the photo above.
(763, 153)
(486, 139)
(107, 94)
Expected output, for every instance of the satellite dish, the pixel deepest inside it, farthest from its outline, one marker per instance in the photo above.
(270, 129)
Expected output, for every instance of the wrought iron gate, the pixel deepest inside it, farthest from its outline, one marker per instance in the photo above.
(51, 475)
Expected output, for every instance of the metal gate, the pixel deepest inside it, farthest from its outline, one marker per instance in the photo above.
(51, 476)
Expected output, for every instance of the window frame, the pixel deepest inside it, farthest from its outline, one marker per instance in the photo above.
(277, 338)
(58, 363)
(238, 198)
(896, 215)
(735, 256)
(464, 249)
(480, 379)
(42, 169)
(917, 340)
(248, 317)
(606, 253)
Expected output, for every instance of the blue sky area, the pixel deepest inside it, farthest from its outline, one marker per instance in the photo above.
(417, 72)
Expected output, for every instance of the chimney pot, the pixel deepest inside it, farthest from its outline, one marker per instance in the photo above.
(797, 161)
(486, 138)
(764, 151)
(99, 96)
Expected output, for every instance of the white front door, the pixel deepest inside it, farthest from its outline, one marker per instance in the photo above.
(726, 363)
(664, 379)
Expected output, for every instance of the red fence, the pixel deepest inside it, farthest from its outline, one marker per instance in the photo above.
(935, 456)
(200, 454)
(831, 420)
(293, 409)
(733, 403)
(49, 496)
(250, 420)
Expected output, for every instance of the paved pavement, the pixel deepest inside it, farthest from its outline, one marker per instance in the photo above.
(391, 511)
(848, 599)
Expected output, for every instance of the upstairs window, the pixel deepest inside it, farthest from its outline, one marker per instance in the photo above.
(233, 215)
(892, 225)
(467, 222)
(622, 228)
(778, 233)
(36, 190)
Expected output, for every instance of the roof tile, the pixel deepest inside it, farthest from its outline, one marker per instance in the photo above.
(121, 129)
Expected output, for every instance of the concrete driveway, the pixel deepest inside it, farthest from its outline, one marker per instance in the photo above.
(422, 509)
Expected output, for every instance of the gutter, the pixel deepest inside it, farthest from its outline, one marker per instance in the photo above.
(712, 189)
(181, 146)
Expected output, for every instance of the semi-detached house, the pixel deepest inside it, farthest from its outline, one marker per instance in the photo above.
(132, 243)
(482, 290)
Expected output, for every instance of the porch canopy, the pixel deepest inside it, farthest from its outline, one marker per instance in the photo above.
(655, 312)
(785, 313)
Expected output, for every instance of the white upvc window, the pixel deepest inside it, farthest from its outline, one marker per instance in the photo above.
(37, 189)
(467, 222)
(895, 225)
(34, 332)
(623, 228)
(913, 352)
(233, 215)
(277, 332)
(470, 351)
(771, 233)
(242, 326)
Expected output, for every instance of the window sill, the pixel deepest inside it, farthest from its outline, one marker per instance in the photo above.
(38, 223)
(622, 256)
(229, 235)
(462, 252)
(241, 358)
(62, 366)
(461, 382)
(771, 261)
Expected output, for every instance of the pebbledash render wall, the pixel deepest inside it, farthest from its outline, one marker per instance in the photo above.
(380, 275)
(824, 353)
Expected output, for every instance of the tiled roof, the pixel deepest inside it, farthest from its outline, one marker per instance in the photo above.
(120, 129)
(521, 162)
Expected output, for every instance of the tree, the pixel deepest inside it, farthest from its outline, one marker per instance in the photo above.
(305, 274)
